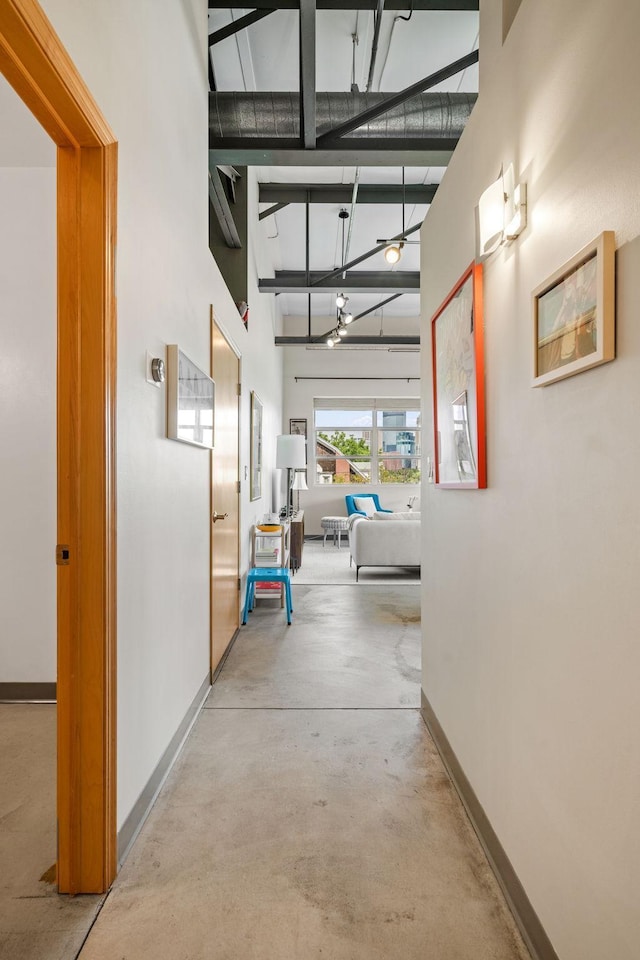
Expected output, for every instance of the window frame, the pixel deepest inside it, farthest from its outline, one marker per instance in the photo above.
(376, 459)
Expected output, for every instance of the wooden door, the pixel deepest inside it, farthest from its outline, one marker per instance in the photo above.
(225, 497)
(41, 72)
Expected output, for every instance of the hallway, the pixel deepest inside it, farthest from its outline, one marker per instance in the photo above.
(309, 814)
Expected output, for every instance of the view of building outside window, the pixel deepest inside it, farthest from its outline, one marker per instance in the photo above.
(378, 444)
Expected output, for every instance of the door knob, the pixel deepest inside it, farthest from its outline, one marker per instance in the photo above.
(219, 516)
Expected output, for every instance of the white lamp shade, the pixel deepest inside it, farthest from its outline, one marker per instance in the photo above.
(290, 452)
(299, 482)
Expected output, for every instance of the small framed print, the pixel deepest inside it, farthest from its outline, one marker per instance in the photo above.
(299, 429)
(574, 314)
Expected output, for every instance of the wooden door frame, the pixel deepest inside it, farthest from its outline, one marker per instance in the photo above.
(234, 349)
(37, 66)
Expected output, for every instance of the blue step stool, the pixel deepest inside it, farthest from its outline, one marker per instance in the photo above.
(260, 574)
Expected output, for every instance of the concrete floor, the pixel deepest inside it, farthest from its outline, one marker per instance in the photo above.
(309, 815)
(35, 923)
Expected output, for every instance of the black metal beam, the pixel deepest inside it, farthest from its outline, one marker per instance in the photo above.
(354, 152)
(370, 253)
(365, 313)
(397, 340)
(308, 73)
(222, 210)
(397, 98)
(217, 35)
(273, 209)
(283, 193)
(353, 4)
(370, 281)
(376, 306)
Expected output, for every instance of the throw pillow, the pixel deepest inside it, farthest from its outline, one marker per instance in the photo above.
(365, 504)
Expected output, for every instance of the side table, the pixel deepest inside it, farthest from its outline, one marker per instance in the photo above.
(335, 525)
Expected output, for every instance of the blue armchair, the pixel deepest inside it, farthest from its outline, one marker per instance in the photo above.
(351, 507)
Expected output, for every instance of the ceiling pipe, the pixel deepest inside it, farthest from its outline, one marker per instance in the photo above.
(377, 23)
(276, 116)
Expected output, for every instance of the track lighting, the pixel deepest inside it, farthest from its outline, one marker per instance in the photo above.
(342, 331)
(393, 252)
(341, 301)
(346, 317)
(330, 340)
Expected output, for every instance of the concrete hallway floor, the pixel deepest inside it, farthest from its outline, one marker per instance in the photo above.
(309, 815)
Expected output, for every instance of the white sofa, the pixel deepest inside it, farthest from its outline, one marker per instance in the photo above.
(390, 542)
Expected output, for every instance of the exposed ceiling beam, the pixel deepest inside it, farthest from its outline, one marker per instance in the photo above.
(365, 313)
(353, 4)
(369, 253)
(284, 193)
(271, 210)
(308, 73)
(395, 340)
(370, 281)
(217, 35)
(222, 210)
(388, 103)
(401, 152)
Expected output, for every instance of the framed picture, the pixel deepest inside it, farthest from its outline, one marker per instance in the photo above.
(458, 386)
(574, 314)
(299, 429)
(255, 454)
(190, 400)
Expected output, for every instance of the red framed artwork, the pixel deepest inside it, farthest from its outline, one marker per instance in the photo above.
(457, 339)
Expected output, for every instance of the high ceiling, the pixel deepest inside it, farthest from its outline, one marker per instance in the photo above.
(292, 139)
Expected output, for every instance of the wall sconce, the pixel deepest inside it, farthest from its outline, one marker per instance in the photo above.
(502, 213)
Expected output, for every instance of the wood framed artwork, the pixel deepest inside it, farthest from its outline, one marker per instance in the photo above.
(574, 314)
(255, 454)
(457, 338)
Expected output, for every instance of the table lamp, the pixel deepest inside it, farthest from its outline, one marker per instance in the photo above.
(299, 483)
(290, 455)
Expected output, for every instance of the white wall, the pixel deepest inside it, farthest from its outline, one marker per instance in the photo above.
(27, 396)
(323, 500)
(531, 653)
(145, 64)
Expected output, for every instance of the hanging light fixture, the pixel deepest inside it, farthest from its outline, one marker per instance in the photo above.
(393, 252)
(341, 300)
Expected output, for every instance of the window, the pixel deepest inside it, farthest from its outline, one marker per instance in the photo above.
(367, 441)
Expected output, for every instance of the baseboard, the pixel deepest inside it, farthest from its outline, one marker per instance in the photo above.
(28, 692)
(533, 933)
(143, 805)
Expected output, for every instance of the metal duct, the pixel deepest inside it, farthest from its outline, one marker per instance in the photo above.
(277, 115)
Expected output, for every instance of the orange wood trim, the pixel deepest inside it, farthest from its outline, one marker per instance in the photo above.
(42, 73)
(86, 511)
(36, 64)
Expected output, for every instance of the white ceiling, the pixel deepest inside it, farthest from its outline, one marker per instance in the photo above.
(264, 57)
